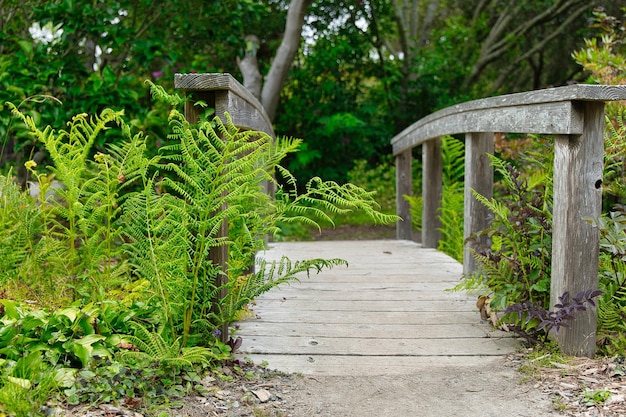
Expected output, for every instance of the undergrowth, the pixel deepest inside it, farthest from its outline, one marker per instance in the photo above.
(107, 267)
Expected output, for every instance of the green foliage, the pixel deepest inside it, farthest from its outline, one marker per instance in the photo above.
(451, 210)
(604, 58)
(151, 347)
(25, 385)
(380, 179)
(71, 336)
(452, 198)
(596, 397)
(140, 229)
(246, 288)
(514, 254)
(612, 305)
(111, 381)
(77, 203)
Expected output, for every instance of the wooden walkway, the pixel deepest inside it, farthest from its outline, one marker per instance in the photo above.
(388, 312)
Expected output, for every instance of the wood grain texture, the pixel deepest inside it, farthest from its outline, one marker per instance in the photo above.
(391, 301)
(432, 185)
(548, 111)
(478, 177)
(230, 97)
(578, 168)
(404, 181)
(385, 366)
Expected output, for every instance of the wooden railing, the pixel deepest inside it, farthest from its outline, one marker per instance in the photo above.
(224, 94)
(575, 116)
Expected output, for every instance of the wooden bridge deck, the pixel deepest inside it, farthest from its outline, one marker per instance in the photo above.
(388, 312)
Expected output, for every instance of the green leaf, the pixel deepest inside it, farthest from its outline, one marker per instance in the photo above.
(69, 312)
(27, 47)
(11, 310)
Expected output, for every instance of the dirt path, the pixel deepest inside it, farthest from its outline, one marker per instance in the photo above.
(468, 391)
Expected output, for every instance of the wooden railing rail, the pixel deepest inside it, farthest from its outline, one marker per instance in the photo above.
(224, 94)
(575, 115)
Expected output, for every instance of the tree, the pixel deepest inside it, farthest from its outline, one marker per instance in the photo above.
(269, 93)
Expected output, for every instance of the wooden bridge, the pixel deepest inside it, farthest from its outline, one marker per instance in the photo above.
(390, 306)
(388, 312)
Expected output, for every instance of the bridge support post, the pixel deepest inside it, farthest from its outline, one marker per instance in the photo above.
(578, 167)
(478, 177)
(404, 183)
(432, 183)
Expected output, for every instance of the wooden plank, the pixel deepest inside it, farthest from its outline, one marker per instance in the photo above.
(404, 185)
(369, 317)
(546, 118)
(478, 177)
(546, 111)
(334, 365)
(378, 307)
(406, 306)
(304, 345)
(578, 168)
(319, 292)
(364, 330)
(432, 180)
(449, 278)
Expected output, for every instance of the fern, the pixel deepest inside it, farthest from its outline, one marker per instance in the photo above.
(515, 259)
(612, 278)
(122, 216)
(153, 348)
(245, 289)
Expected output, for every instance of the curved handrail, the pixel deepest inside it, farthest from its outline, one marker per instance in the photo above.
(547, 111)
(575, 115)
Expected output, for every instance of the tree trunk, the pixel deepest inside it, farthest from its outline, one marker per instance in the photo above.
(277, 75)
(275, 79)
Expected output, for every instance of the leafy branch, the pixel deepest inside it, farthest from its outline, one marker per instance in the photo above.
(553, 320)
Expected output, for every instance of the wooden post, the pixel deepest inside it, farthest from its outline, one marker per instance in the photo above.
(217, 254)
(404, 181)
(478, 177)
(432, 183)
(226, 95)
(578, 167)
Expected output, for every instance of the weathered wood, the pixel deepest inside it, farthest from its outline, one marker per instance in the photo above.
(218, 255)
(548, 118)
(343, 305)
(409, 291)
(432, 183)
(578, 167)
(305, 345)
(363, 317)
(546, 111)
(225, 95)
(385, 366)
(478, 177)
(575, 113)
(369, 331)
(229, 96)
(404, 181)
(369, 310)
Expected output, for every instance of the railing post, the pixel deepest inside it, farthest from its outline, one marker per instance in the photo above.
(432, 180)
(578, 167)
(404, 227)
(478, 177)
(217, 254)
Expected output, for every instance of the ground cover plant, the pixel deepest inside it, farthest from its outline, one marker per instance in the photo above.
(105, 271)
